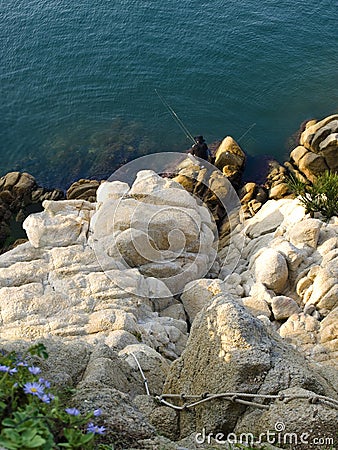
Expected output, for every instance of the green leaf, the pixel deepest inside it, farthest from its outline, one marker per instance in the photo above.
(38, 350)
(8, 445)
(38, 441)
(8, 423)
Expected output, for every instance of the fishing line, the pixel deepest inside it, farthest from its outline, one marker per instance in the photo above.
(176, 118)
(247, 131)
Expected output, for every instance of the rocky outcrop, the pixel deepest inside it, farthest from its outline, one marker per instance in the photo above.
(318, 149)
(247, 356)
(230, 160)
(126, 276)
(19, 196)
(288, 267)
(89, 270)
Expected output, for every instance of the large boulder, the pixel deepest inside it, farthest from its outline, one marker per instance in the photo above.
(159, 228)
(271, 269)
(230, 159)
(245, 356)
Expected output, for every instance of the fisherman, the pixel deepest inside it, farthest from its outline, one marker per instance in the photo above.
(200, 148)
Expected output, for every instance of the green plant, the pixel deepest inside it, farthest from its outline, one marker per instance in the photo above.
(31, 416)
(320, 196)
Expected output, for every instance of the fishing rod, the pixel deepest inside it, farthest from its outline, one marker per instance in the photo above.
(176, 118)
(247, 131)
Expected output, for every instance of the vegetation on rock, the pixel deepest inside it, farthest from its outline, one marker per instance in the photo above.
(31, 417)
(320, 196)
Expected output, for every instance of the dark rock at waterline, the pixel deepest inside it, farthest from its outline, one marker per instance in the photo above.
(83, 190)
(20, 196)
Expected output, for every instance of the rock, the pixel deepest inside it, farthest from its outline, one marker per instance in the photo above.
(305, 232)
(257, 306)
(157, 228)
(318, 149)
(111, 191)
(272, 214)
(283, 307)
(165, 421)
(19, 195)
(20, 183)
(315, 134)
(245, 356)
(83, 190)
(59, 282)
(297, 154)
(271, 270)
(260, 292)
(154, 366)
(295, 421)
(276, 181)
(300, 329)
(65, 225)
(279, 191)
(230, 159)
(199, 293)
(252, 197)
(119, 339)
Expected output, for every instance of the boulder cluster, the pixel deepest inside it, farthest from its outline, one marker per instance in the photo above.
(232, 322)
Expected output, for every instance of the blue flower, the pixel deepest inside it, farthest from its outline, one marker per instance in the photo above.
(97, 412)
(34, 370)
(72, 411)
(34, 389)
(47, 398)
(8, 369)
(91, 428)
(21, 364)
(45, 382)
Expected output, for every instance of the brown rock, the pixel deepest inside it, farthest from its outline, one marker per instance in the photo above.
(312, 165)
(230, 158)
(309, 133)
(279, 191)
(83, 190)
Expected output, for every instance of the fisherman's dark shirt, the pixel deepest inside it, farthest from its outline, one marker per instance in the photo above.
(200, 150)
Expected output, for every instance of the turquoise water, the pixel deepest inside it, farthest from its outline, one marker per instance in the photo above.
(77, 79)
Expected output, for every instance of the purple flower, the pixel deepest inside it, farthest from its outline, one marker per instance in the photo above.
(72, 411)
(21, 364)
(8, 369)
(47, 398)
(91, 428)
(97, 412)
(34, 389)
(34, 370)
(45, 382)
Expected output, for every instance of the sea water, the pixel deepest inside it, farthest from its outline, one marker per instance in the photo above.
(78, 79)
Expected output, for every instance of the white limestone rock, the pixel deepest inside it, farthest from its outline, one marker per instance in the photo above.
(305, 232)
(60, 225)
(271, 269)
